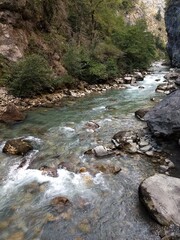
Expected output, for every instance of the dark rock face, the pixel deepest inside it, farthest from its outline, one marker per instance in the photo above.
(17, 147)
(164, 119)
(172, 19)
(160, 195)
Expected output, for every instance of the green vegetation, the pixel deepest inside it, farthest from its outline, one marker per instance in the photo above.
(91, 39)
(29, 77)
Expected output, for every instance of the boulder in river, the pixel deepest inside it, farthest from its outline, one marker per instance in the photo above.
(166, 87)
(12, 114)
(164, 119)
(139, 114)
(160, 195)
(17, 147)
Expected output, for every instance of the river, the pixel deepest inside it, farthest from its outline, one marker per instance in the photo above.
(103, 206)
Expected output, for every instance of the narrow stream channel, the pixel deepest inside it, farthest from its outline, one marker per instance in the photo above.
(103, 206)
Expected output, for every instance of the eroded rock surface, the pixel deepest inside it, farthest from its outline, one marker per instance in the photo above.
(172, 19)
(161, 196)
(164, 118)
(17, 147)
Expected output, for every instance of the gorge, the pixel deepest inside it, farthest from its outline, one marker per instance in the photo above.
(80, 164)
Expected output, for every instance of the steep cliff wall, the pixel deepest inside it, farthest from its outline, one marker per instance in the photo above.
(153, 12)
(172, 19)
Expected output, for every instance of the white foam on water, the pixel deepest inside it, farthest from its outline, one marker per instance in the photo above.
(66, 184)
(99, 108)
(34, 139)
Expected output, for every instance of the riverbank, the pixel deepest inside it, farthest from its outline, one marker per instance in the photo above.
(54, 99)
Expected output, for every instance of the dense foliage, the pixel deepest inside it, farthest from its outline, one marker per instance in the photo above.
(29, 77)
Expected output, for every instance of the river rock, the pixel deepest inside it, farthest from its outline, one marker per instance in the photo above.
(67, 166)
(163, 119)
(166, 87)
(160, 195)
(127, 80)
(60, 203)
(138, 76)
(92, 125)
(123, 138)
(146, 148)
(49, 171)
(171, 75)
(108, 168)
(17, 147)
(101, 151)
(139, 114)
(12, 114)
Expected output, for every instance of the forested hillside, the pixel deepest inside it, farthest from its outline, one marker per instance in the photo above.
(85, 40)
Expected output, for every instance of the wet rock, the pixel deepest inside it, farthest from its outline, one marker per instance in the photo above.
(101, 151)
(166, 87)
(146, 148)
(127, 80)
(12, 114)
(143, 143)
(163, 120)
(163, 168)
(132, 147)
(17, 147)
(60, 201)
(92, 125)
(67, 166)
(60, 204)
(138, 76)
(49, 171)
(139, 114)
(108, 168)
(123, 138)
(160, 195)
(171, 76)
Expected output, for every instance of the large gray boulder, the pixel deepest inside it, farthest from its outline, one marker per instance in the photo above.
(160, 195)
(164, 118)
(172, 19)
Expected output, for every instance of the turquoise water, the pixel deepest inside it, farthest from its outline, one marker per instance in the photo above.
(110, 208)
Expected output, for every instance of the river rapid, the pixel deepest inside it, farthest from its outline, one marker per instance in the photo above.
(102, 206)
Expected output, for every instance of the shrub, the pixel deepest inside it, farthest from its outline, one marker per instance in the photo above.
(29, 77)
(65, 81)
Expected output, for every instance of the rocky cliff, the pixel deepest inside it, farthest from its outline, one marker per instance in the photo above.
(153, 12)
(172, 20)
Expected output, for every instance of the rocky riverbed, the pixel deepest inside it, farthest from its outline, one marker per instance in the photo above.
(74, 171)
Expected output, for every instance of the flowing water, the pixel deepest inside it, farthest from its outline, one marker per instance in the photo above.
(103, 206)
